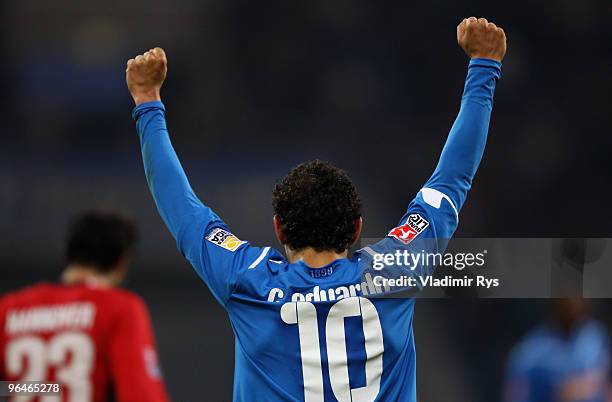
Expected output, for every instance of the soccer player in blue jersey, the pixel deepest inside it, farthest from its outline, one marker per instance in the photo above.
(566, 359)
(307, 323)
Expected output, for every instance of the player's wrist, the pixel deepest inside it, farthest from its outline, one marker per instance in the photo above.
(487, 56)
(146, 96)
(485, 62)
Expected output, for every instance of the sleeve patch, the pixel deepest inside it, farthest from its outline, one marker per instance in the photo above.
(152, 363)
(434, 198)
(225, 239)
(414, 225)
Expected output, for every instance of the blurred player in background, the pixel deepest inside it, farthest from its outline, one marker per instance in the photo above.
(305, 326)
(566, 359)
(94, 339)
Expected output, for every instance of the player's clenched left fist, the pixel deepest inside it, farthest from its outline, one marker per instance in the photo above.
(481, 38)
(145, 75)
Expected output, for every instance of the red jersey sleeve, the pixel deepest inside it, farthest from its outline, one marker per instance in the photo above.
(135, 370)
(2, 341)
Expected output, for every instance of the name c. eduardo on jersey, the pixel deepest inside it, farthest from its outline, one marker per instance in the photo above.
(325, 334)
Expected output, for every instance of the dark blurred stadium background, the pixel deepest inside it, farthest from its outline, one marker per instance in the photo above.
(254, 88)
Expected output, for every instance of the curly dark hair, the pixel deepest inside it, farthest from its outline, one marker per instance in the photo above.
(99, 239)
(317, 206)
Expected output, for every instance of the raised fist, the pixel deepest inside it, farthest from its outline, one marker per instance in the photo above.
(145, 75)
(481, 38)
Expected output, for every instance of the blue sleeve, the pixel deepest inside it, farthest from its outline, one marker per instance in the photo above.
(467, 138)
(517, 382)
(434, 212)
(443, 195)
(201, 236)
(176, 202)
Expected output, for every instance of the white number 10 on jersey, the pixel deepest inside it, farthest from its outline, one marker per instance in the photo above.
(304, 314)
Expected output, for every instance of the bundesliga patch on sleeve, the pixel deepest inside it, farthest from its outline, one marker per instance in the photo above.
(411, 229)
(225, 239)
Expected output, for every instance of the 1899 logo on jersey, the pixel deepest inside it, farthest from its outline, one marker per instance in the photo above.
(225, 239)
(414, 225)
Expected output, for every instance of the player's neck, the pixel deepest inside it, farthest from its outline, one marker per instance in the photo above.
(76, 274)
(313, 258)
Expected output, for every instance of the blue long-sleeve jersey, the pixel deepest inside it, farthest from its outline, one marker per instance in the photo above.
(314, 335)
(548, 365)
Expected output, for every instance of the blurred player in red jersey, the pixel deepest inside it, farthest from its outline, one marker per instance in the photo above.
(94, 339)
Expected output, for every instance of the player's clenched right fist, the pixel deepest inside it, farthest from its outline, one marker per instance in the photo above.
(481, 38)
(145, 75)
